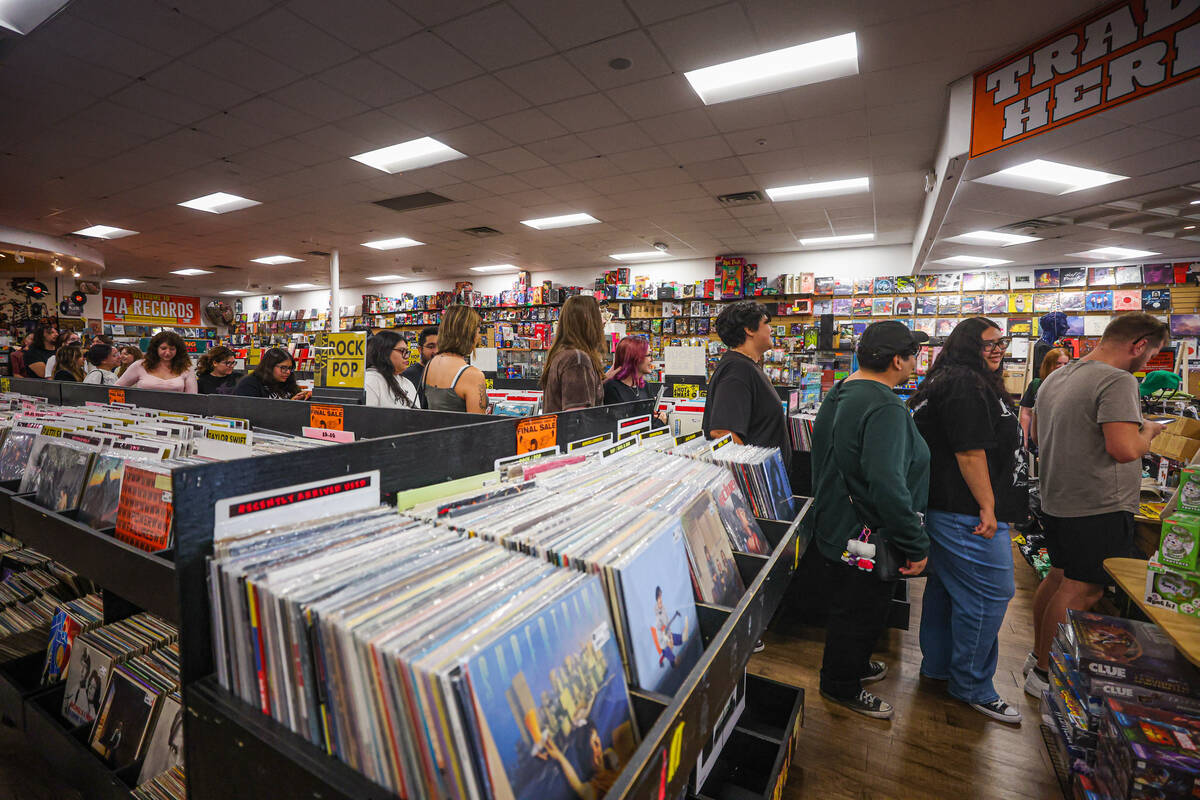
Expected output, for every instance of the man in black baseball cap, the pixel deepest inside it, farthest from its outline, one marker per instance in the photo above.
(888, 338)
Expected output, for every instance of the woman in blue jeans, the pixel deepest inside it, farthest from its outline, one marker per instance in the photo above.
(977, 487)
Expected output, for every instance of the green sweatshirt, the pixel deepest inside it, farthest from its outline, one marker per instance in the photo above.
(884, 460)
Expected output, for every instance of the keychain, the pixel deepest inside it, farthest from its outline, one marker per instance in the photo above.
(860, 552)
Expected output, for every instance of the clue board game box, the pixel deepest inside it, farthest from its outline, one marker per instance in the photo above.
(1132, 652)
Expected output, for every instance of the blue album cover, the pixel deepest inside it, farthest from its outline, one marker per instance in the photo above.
(1100, 301)
(550, 701)
(1045, 278)
(660, 613)
(884, 286)
(1156, 299)
(971, 304)
(1074, 325)
(841, 307)
(781, 488)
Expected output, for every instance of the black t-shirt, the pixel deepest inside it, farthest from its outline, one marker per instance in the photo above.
(413, 373)
(252, 386)
(64, 375)
(1029, 398)
(741, 399)
(211, 384)
(961, 414)
(616, 391)
(36, 355)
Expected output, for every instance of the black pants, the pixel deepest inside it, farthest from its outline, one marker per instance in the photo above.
(858, 614)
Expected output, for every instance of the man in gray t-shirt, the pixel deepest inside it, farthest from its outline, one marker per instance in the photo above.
(1091, 438)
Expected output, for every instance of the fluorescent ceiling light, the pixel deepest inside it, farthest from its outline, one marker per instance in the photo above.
(822, 60)
(565, 221)
(191, 271)
(105, 232)
(1105, 253)
(819, 189)
(234, 291)
(971, 261)
(851, 237)
(497, 268)
(643, 256)
(124, 280)
(392, 244)
(276, 260)
(993, 238)
(300, 286)
(23, 16)
(414, 154)
(1194, 203)
(388, 278)
(1049, 177)
(220, 203)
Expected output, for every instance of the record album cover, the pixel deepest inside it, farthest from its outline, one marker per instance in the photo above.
(745, 536)
(145, 509)
(863, 285)
(1071, 301)
(971, 305)
(948, 304)
(1127, 276)
(927, 305)
(1101, 276)
(1156, 299)
(1020, 303)
(1072, 277)
(823, 286)
(945, 326)
(861, 307)
(1127, 299)
(1021, 280)
(903, 306)
(927, 283)
(843, 287)
(996, 281)
(1100, 301)
(102, 492)
(905, 284)
(714, 573)
(1045, 278)
(949, 281)
(165, 749)
(884, 286)
(995, 303)
(1045, 301)
(842, 307)
(87, 674)
(881, 307)
(1158, 273)
(974, 281)
(822, 307)
(1020, 326)
(124, 719)
(926, 325)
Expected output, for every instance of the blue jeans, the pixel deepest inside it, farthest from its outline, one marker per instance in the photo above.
(970, 583)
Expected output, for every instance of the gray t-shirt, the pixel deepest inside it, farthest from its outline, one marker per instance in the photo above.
(1078, 476)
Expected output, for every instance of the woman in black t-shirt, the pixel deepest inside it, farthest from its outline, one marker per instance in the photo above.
(41, 350)
(977, 487)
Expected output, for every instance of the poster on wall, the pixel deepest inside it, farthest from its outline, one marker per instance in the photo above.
(149, 308)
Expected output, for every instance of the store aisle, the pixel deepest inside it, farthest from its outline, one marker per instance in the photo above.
(936, 747)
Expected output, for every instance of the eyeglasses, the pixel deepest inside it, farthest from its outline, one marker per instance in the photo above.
(230, 362)
(287, 368)
(399, 349)
(997, 344)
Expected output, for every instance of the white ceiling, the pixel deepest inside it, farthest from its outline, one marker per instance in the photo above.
(116, 112)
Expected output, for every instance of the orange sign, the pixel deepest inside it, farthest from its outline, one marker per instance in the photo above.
(149, 308)
(116, 395)
(1125, 51)
(535, 433)
(327, 417)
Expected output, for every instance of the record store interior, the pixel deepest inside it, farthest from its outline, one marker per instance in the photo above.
(599, 399)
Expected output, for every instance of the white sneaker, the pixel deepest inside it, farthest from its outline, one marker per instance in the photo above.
(1030, 663)
(999, 710)
(1034, 686)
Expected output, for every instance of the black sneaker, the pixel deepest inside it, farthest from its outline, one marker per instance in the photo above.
(999, 710)
(876, 671)
(865, 703)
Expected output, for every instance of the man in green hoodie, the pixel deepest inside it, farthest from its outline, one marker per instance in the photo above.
(870, 466)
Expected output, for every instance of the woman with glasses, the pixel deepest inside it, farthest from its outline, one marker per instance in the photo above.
(976, 489)
(387, 358)
(214, 371)
(273, 378)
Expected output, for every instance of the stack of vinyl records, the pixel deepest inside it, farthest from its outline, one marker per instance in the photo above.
(169, 785)
(70, 619)
(800, 426)
(762, 477)
(141, 701)
(437, 665)
(29, 595)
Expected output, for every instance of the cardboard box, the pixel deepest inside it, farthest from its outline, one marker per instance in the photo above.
(1180, 541)
(1175, 447)
(1184, 426)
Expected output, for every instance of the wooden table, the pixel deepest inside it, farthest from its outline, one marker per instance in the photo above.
(1183, 630)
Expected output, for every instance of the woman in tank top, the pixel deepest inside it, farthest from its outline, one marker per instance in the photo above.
(449, 380)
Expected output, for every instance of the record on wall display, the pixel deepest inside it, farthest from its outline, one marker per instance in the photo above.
(1100, 300)
(995, 303)
(949, 281)
(1158, 273)
(1045, 278)
(1071, 301)
(1127, 300)
(905, 284)
(1129, 275)
(927, 283)
(927, 305)
(1020, 303)
(1072, 277)
(971, 304)
(1101, 276)
(884, 286)
(881, 307)
(996, 281)
(1156, 299)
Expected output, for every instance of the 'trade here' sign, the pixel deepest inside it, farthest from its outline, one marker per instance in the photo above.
(146, 308)
(1127, 50)
(342, 360)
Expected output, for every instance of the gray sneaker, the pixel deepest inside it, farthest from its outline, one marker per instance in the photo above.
(876, 671)
(1030, 663)
(864, 703)
(1034, 685)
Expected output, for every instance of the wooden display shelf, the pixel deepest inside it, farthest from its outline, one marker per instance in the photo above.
(1183, 630)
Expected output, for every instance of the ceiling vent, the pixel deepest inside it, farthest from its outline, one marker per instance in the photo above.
(740, 199)
(482, 231)
(318, 253)
(221, 266)
(411, 202)
(1031, 227)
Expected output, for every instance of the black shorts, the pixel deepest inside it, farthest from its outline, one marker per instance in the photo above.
(1079, 545)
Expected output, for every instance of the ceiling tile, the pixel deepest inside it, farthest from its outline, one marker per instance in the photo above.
(705, 38)
(182, 79)
(645, 60)
(495, 37)
(434, 12)
(655, 97)
(764, 140)
(147, 22)
(617, 139)
(514, 159)
(502, 184)
(243, 65)
(640, 160)
(370, 82)
(318, 99)
(172, 107)
(651, 11)
(721, 168)
(546, 80)
(561, 149)
(526, 126)
(271, 115)
(678, 126)
(362, 24)
(589, 168)
(545, 178)
(473, 139)
(382, 130)
(753, 112)
(586, 113)
(428, 114)
(482, 98)
(82, 40)
(427, 61)
(572, 24)
(708, 148)
(285, 37)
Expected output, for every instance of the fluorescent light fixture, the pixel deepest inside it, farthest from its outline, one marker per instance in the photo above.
(971, 261)
(300, 286)
(1105, 253)
(1194, 203)
(851, 237)
(819, 189)
(220, 203)
(497, 268)
(191, 271)
(124, 280)
(565, 221)
(993, 238)
(234, 291)
(388, 278)
(822, 60)
(273, 260)
(392, 244)
(105, 232)
(1049, 177)
(642, 256)
(414, 154)
(23, 16)
(1189, 227)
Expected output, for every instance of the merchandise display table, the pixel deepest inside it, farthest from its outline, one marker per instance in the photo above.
(1183, 630)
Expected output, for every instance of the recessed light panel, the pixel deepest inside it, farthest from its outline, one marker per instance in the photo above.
(971, 261)
(234, 291)
(1049, 177)
(124, 280)
(105, 232)
(496, 268)
(992, 238)
(300, 286)
(564, 221)
(1105, 253)
(220, 203)
(387, 277)
(643, 256)
(414, 154)
(822, 60)
(819, 189)
(392, 244)
(191, 271)
(850, 237)
(273, 260)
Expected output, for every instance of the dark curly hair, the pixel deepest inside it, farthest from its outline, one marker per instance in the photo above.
(735, 318)
(266, 371)
(180, 364)
(962, 359)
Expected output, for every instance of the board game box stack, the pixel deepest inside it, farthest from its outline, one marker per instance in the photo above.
(1173, 575)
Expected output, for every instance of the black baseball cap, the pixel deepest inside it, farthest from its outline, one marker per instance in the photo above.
(890, 337)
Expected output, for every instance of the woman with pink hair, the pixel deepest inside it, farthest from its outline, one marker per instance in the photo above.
(631, 364)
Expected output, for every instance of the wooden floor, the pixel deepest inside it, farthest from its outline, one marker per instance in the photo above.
(936, 748)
